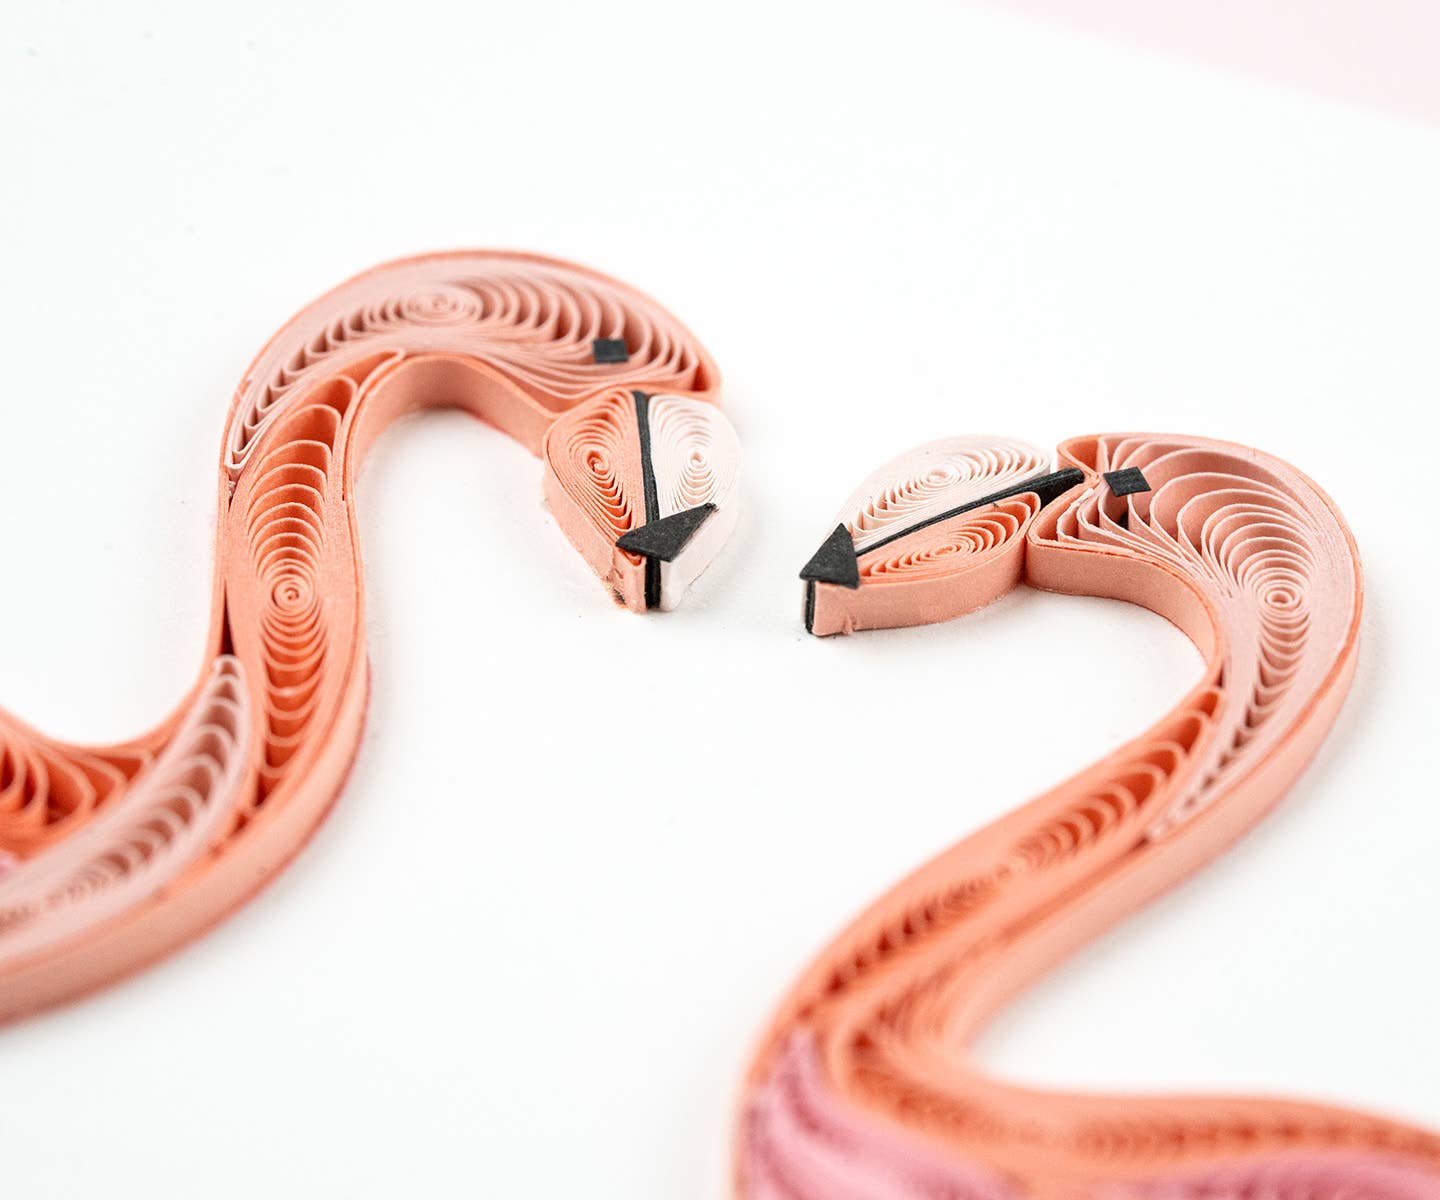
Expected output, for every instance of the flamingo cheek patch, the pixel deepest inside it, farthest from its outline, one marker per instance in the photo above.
(595, 487)
(931, 535)
(695, 457)
(645, 488)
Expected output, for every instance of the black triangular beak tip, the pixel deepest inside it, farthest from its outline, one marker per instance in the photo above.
(835, 562)
(665, 538)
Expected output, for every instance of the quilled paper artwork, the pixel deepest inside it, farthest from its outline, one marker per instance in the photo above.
(862, 1088)
(110, 857)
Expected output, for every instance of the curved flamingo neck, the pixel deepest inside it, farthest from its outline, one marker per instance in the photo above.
(1249, 559)
(109, 858)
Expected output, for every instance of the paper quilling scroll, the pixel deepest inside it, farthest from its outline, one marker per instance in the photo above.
(862, 1089)
(110, 857)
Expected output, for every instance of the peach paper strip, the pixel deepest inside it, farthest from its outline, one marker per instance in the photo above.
(862, 1085)
(112, 857)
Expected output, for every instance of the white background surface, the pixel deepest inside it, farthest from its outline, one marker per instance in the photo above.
(507, 966)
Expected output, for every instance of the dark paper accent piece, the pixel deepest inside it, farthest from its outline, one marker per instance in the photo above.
(835, 561)
(610, 350)
(665, 538)
(1127, 481)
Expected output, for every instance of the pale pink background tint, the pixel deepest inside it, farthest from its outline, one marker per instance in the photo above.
(1383, 53)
